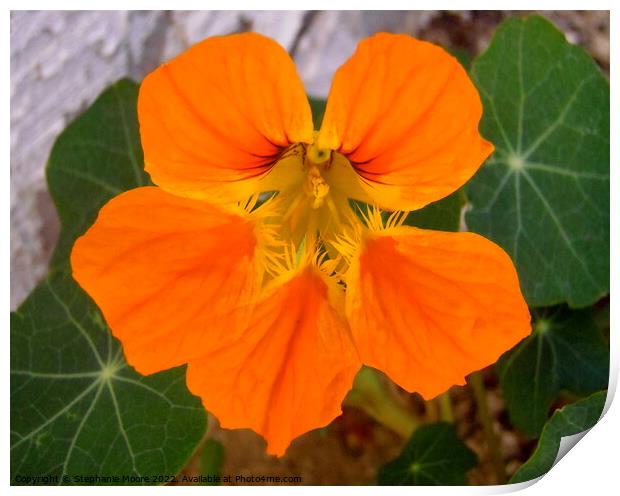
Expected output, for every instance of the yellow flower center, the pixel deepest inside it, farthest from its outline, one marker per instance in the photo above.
(312, 220)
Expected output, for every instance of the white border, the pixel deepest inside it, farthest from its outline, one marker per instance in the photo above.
(590, 467)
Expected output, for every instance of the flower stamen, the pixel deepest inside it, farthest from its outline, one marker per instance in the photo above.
(316, 187)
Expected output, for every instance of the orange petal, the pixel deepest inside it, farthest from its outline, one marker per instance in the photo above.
(405, 113)
(290, 371)
(214, 119)
(428, 307)
(164, 270)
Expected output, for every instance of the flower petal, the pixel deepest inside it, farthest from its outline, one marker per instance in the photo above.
(214, 119)
(166, 272)
(429, 307)
(405, 113)
(290, 371)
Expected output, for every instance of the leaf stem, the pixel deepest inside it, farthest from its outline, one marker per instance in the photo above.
(480, 394)
(432, 410)
(445, 407)
(371, 394)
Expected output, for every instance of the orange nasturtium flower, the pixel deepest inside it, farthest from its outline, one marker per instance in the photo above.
(275, 304)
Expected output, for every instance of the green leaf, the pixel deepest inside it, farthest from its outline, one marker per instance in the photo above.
(211, 460)
(544, 194)
(462, 54)
(77, 408)
(434, 456)
(318, 110)
(566, 350)
(442, 215)
(570, 420)
(95, 158)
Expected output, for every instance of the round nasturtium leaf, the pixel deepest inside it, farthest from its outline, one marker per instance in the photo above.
(97, 157)
(544, 194)
(433, 456)
(78, 410)
(568, 421)
(566, 351)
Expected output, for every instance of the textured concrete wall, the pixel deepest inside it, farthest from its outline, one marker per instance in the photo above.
(61, 61)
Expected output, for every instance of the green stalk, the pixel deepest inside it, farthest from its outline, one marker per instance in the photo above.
(445, 407)
(432, 410)
(371, 394)
(480, 394)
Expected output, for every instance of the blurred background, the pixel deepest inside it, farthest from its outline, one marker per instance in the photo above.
(61, 61)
